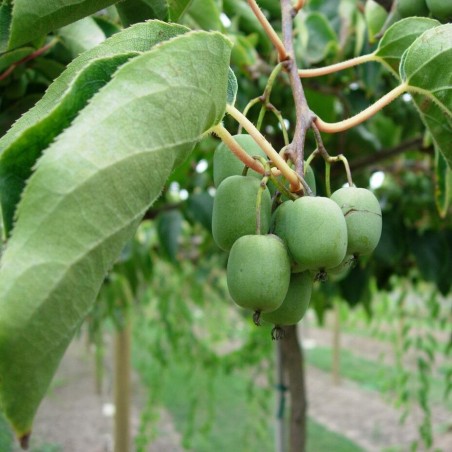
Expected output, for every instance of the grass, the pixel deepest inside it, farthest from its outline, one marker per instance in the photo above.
(370, 374)
(222, 412)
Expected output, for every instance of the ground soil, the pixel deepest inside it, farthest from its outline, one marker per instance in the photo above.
(78, 419)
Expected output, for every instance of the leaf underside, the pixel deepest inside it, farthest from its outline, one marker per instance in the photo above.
(399, 37)
(86, 198)
(425, 67)
(21, 147)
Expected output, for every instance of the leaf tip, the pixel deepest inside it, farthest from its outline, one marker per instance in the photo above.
(24, 440)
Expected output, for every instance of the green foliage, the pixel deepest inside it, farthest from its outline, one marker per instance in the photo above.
(399, 37)
(67, 188)
(133, 11)
(424, 68)
(29, 21)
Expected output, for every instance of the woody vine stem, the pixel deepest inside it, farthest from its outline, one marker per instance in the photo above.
(305, 118)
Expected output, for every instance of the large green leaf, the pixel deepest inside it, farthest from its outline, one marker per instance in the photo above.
(86, 198)
(32, 19)
(425, 67)
(399, 37)
(23, 144)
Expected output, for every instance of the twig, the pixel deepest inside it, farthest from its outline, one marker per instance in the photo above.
(317, 72)
(304, 116)
(237, 150)
(279, 162)
(364, 115)
(271, 33)
(30, 57)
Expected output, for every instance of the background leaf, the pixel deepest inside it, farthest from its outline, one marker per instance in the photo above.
(169, 229)
(9, 58)
(81, 36)
(86, 198)
(443, 184)
(399, 37)
(425, 67)
(316, 38)
(31, 20)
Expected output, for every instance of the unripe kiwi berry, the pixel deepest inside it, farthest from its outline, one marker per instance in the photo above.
(362, 214)
(258, 272)
(296, 302)
(226, 164)
(441, 9)
(408, 8)
(234, 210)
(316, 233)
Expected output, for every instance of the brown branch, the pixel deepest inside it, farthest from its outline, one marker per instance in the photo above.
(271, 33)
(364, 162)
(30, 57)
(304, 116)
(294, 366)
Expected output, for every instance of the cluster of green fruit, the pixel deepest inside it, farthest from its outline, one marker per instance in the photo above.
(440, 9)
(276, 256)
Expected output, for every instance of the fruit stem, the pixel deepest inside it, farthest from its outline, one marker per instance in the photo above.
(327, 178)
(271, 33)
(317, 72)
(299, 4)
(279, 162)
(246, 110)
(282, 124)
(265, 98)
(236, 149)
(261, 190)
(257, 318)
(349, 123)
(344, 160)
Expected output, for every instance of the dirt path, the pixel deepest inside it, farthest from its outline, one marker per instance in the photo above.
(363, 416)
(76, 418)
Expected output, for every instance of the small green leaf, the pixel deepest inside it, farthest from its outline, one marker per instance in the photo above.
(169, 229)
(31, 20)
(81, 36)
(200, 208)
(443, 184)
(399, 37)
(316, 38)
(425, 68)
(232, 87)
(134, 11)
(204, 15)
(177, 8)
(86, 198)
